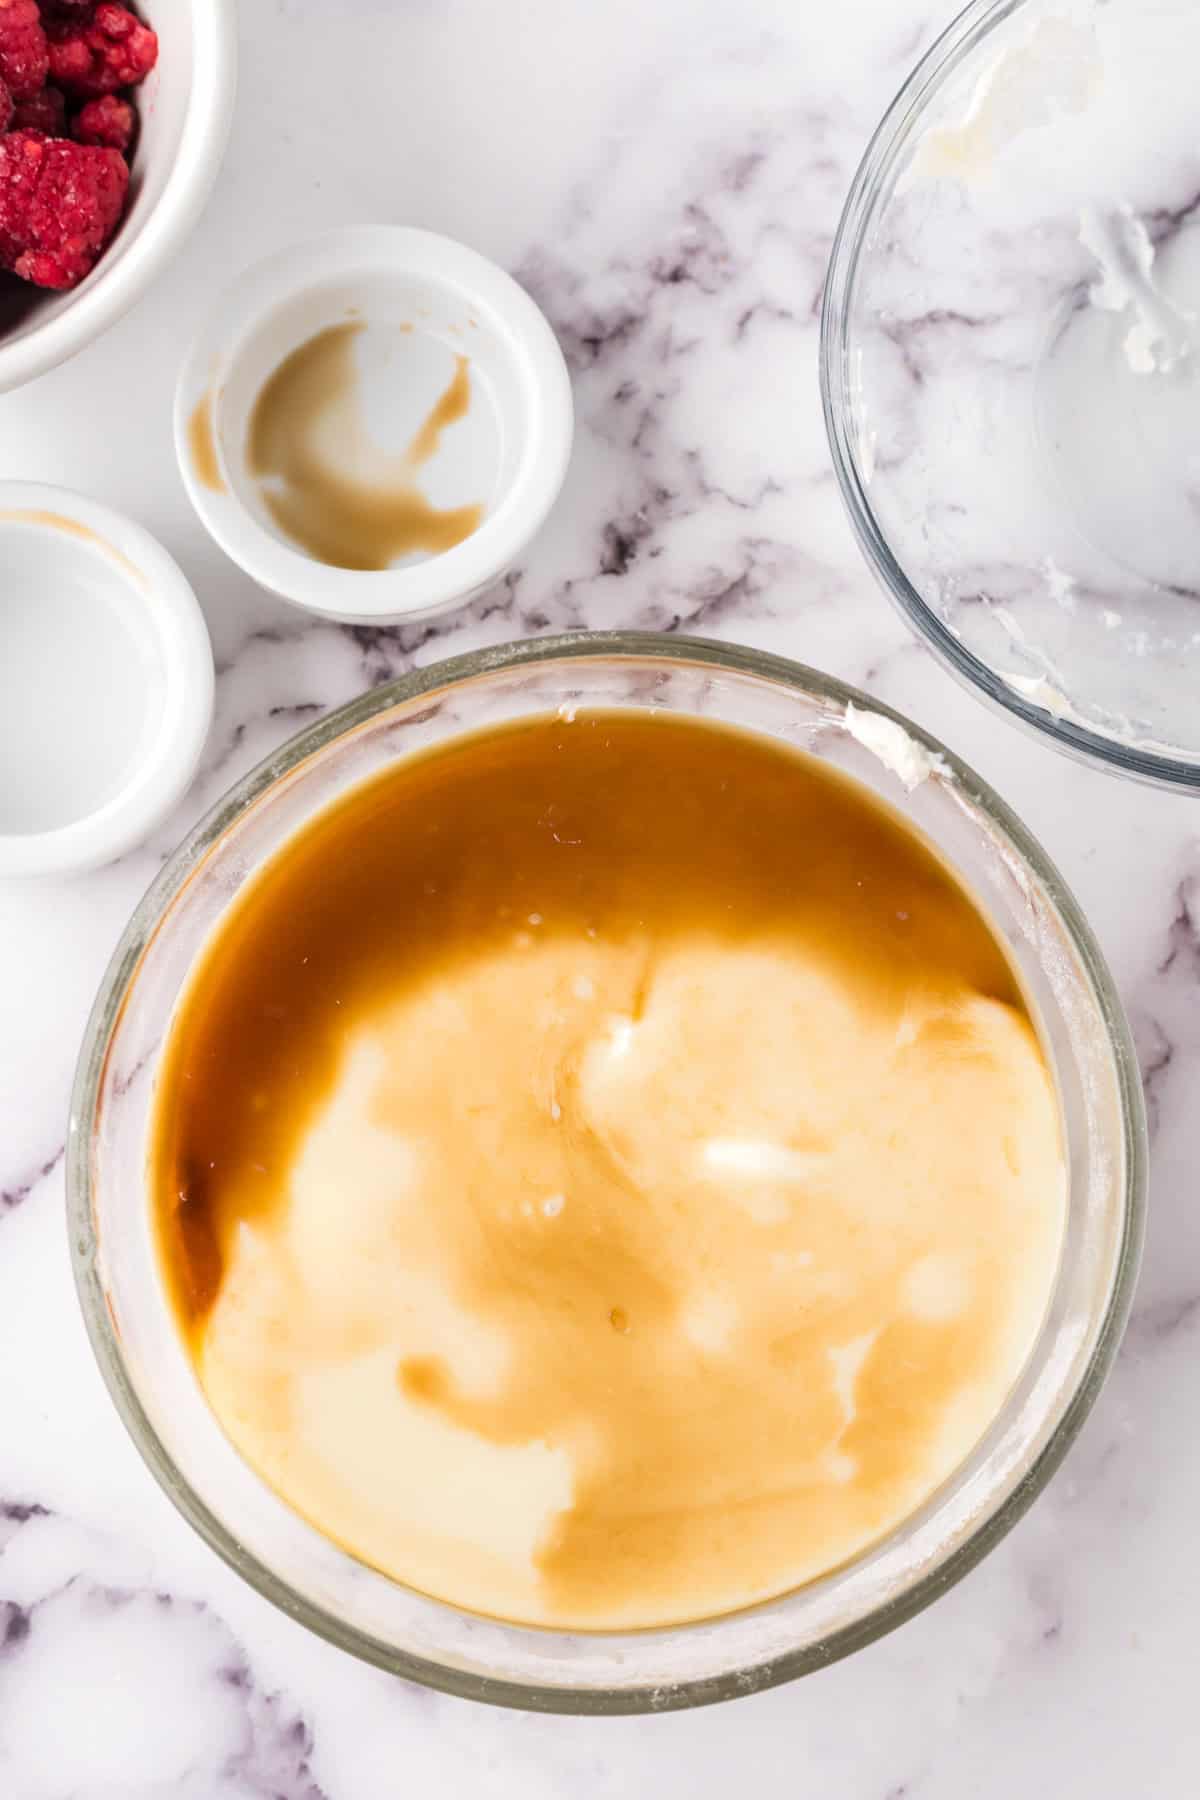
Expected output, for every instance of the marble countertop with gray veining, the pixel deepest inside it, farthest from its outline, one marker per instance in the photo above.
(665, 176)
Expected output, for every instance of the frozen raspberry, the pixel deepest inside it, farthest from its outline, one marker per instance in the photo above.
(23, 54)
(111, 50)
(7, 108)
(46, 112)
(20, 161)
(59, 206)
(108, 120)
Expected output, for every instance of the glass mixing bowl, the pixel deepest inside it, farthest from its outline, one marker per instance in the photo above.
(1011, 368)
(151, 1378)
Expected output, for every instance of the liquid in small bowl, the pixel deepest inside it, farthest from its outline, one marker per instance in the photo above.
(334, 474)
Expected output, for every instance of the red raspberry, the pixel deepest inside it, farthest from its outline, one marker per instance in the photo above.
(59, 206)
(20, 161)
(23, 54)
(46, 112)
(7, 109)
(108, 120)
(113, 50)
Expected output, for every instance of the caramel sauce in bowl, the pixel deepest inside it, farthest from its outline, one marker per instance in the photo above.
(590, 1231)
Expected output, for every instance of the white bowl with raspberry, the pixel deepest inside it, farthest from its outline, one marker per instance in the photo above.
(63, 278)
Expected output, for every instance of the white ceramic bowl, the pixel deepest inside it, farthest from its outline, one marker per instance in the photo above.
(447, 301)
(186, 107)
(106, 681)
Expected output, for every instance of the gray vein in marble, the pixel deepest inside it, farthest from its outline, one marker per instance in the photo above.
(1157, 1320)
(910, 335)
(1183, 935)
(257, 1746)
(297, 711)
(1166, 1021)
(1163, 222)
(388, 651)
(259, 635)
(1155, 1056)
(19, 1512)
(19, 1191)
(881, 668)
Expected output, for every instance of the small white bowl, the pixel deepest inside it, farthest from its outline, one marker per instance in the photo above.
(185, 107)
(448, 301)
(106, 681)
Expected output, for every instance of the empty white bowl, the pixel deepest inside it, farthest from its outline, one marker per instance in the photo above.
(419, 303)
(106, 681)
(186, 107)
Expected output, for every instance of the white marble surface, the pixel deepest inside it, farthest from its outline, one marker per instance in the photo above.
(666, 175)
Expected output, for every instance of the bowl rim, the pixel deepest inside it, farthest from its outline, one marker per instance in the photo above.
(963, 35)
(632, 647)
(110, 293)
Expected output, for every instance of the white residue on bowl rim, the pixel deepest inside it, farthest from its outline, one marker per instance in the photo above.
(1012, 97)
(900, 753)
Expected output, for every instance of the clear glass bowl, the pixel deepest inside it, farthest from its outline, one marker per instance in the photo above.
(1010, 364)
(150, 1376)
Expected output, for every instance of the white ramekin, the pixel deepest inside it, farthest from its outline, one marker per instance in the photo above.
(411, 280)
(106, 682)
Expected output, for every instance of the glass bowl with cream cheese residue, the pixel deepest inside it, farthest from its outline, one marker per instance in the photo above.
(609, 1655)
(1011, 362)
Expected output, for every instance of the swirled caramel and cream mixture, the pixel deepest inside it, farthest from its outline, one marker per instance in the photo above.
(606, 1171)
